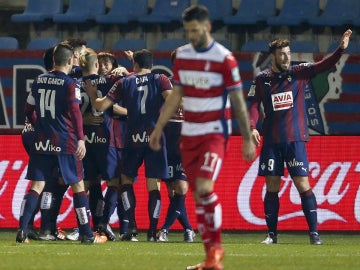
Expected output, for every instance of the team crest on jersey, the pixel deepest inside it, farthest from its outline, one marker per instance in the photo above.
(282, 101)
(235, 74)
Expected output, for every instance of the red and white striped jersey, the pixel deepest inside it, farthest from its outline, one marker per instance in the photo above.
(206, 77)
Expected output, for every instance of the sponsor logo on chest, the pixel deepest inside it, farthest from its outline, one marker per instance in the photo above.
(282, 101)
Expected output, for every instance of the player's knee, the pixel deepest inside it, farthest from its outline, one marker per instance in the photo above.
(78, 187)
(126, 180)
(38, 186)
(114, 182)
(204, 186)
(181, 187)
(153, 184)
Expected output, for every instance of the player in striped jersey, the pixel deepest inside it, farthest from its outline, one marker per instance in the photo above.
(281, 90)
(59, 142)
(205, 74)
(55, 191)
(143, 95)
(177, 184)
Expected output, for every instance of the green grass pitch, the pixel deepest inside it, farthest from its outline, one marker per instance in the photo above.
(243, 251)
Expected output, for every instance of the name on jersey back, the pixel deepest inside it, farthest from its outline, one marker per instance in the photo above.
(50, 80)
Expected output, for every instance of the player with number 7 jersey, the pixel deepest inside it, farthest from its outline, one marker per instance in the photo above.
(143, 95)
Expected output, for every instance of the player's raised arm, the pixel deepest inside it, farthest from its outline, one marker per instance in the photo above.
(101, 104)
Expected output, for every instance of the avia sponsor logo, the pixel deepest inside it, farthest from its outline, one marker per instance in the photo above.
(140, 138)
(295, 163)
(332, 188)
(46, 147)
(282, 101)
(94, 139)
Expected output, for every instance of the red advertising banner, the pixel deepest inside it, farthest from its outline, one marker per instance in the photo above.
(334, 168)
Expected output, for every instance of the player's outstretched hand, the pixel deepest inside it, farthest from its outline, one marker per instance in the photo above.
(129, 54)
(120, 71)
(256, 136)
(345, 39)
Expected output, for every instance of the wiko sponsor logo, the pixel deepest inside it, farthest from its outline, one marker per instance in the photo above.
(144, 137)
(95, 139)
(295, 163)
(47, 147)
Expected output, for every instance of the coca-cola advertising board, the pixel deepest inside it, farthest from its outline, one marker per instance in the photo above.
(334, 170)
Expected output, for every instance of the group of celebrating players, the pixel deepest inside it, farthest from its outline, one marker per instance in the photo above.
(109, 124)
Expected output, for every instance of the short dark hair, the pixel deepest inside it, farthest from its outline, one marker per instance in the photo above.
(144, 58)
(278, 44)
(49, 58)
(62, 52)
(196, 12)
(76, 43)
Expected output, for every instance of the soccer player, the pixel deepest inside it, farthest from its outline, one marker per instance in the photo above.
(206, 74)
(103, 157)
(59, 142)
(281, 90)
(27, 137)
(79, 46)
(177, 185)
(107, 63)
(143, 94)
(55, 190)
(108, 66)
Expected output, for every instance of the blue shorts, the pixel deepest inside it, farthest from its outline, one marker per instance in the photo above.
(101, 160)
(156, 165)
(172, 135)
(44, 167)
(272, 158)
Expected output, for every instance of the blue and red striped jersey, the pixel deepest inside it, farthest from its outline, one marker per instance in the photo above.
(283, 98)
(56, 98)
(142, 96)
